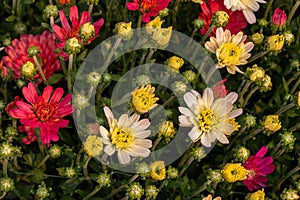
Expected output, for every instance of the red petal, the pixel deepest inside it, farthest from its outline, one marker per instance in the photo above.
(47, 93)
(84, 18)
(64, 21)
(132, 5)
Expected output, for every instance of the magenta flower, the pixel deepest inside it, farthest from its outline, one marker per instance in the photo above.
(258, 168)
(279, 17)
(149, 8)
(17, 55)
(44, 112)
(66, 31)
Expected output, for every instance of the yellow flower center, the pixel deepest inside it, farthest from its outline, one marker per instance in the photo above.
(28, 69)
(206, 120)
(143, 99)
(158, 170)
(229, 54)
(87, 30)
(233, 172)
(122, 138)
(235, 124)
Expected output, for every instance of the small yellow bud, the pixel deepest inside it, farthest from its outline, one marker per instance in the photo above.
(175, 62)
(275, 42)
(266, 83)
(272, 123)
(28, 70)
(258, 195)
(256, 73)
(93, 146)
(298, 99)
(257, 38)
(124, 30)
(143, 99)
(162, 36)
(158, 170)
(220, 19)
(87, 31)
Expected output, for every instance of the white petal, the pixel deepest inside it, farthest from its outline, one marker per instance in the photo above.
(235, 113)
(190, 100)
(249, 15)
(136, 150)
(104, 133)
(194, 134)
(249, 46)
(205, 141)
(109, 149)
(109, 115)
(123, 157)
(253, 6)
(143, 143)
(231, 97)
(142, 134)
(226, 128)
(186, 112)
(123, 120)
(184, 121)
(141, 125)
(135, 117)
(208, 97)
(222, 138)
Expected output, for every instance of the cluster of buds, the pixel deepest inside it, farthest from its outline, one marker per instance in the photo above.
(51, 11)
(68, 172)
(214, 176)
(86, 31)
(72, 46)
(80, 101)
(94, 2)
(135, 191)
(151, 192)
(142, 80)
(9, 152)
(172, 173)
(124, 30)
(287, 140)
(55, 151)
(249, 120)
(190, 75)
(179, 88)
(198, 153)
(241, 154)
(43, 192)
(143, 169)
(28, 70)
(6, 184)
(289, 194)
(104, 180)
(257, 75)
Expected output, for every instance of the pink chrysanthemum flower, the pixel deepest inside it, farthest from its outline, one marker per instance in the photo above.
(30, 137)
(67, 32)
(149, 8)
(219, 89)
(44, 112)
(17, 55)
(258, 168)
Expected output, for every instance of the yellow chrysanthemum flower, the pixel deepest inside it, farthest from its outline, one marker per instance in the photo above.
(175, 62)
(93, 145)
(275, 42)
(143, 99)
(230, 50)
(272, 123)
(158, 170)
(258, 195)
(233, 172)
(124, 30)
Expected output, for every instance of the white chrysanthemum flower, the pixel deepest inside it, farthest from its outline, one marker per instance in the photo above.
(230, 49)
(248, 7)
(126, 136)
(208, 116)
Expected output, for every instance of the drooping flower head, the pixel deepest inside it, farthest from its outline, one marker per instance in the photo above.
(248, 7)
(126, 136)
(230, 50)
(149, 8)
(236, 23)
(258, 167)
(17, 55)
(44, 112)
(82, 29)
(208, 116)
(219, 89)
(279, 17)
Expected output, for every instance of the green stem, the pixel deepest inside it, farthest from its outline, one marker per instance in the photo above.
(156, 142)
(91, 9)
(95, 191)
(285, 108)
(183, 159)
(115, 191)
(79, 156)
(4, 168)
(292, 12)
(273, 152)
(151, 52)
(249, 95)
(139, 23)
(3, 195)
(40, 69)
(257, 56)
(43, 161)
(5, 91)
(252, 134)
(38, 135)
(51, 21)
(295, 86)
(185, 167)
(201, 189)
(241, 94)
(297, 126)
(207, 33)
(85, 170)
(296, 169)
(269, 6)
(69, 76)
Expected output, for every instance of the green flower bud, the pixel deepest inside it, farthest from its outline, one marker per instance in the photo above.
(163, 13)
(257, 38)
(6, 42)
(55, 151)
(263, 22)
(20, 28)
(151, 192)
(289, 194)
(241, 154)
(289, 37)
(123, 30)
(80, 101)
(51, 11)
(68, 172)
(103, 180)
(179, 88)
(190, 75)
(215, 176)
(143, 170)
(90, 2)
(43, 192)
(87, 31)
(8, 151)
(20, 83)
(198, 23)
(295, 64)
(142, 80)
(135, 191)
(287, 139)
(72, 46)
(172, 173)
(250, 120)
(107, 77)
(6, 184)
(198, 153)
(94, 78)
(28, 70)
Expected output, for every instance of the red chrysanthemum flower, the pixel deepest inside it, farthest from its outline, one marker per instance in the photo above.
(149, 8)
(219, 89)
(31, 136)
(236, 23)
(44, 112)
(279, 17)
(258, 168)
(66, 31)
(17, 55)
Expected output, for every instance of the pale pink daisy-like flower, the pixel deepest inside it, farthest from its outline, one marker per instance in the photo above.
(126, 136)
(44, 112)
(208, 116)
(248, 7)
(230, 50)
(17, 55)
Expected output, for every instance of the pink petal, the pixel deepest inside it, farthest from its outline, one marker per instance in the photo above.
(84, 18)
(25, 107)
(30, 93)
(64, 21)
(74, 15)
(261, 152)
(58, 93)
(47, 93)
(97, 25)
(132, 5)
(58, 32)
(146, 17)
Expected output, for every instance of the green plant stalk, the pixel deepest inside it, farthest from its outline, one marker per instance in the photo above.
(285, 108)
(156, 142)
(43, 161)
(69, 75)
(3, 195)
(241, 94)
(38, 135)
(139, 22)
(40, 69)
(79, 156)
(95, 191)
(201, 189)
(249, 95)
(257, 56)
(115, 191)
(293, 171)
(295, 85)
(4, 168)
(186, 166)
(203, 39)
(269, 6)
(275, 149)
(252, 134)
(91, 6)
(85, 170)
(292, 12)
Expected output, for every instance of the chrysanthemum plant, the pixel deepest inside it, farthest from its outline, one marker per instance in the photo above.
(241, 132)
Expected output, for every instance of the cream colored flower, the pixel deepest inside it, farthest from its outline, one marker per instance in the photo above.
(126, 136)
(208, 117)
(248, 7)
(230, 50)
(209, 197)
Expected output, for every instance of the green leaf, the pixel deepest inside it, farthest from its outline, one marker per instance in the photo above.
(71, 184)
(285, 85)
(11, 18)
(55, 78)
(28, 1)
